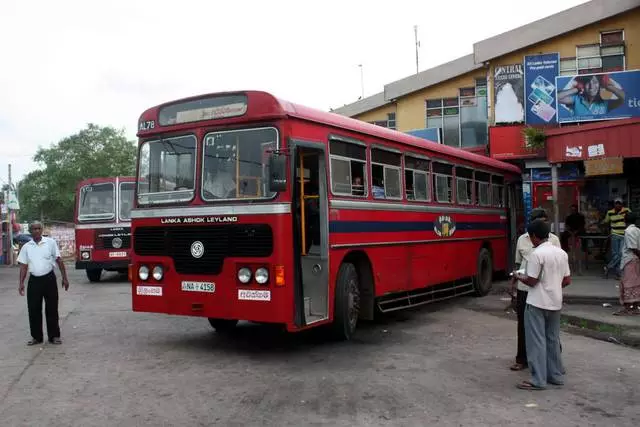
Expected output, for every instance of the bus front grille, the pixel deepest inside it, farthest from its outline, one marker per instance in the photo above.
(104, 239)
(219, 242)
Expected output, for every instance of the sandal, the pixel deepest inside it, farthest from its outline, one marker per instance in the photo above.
(623, 312)
(34, 342)
(528, 385)
(56, 341)
(518, 367)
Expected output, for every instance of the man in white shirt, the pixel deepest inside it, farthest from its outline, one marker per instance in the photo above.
(524, 247)
(547, 273)
(220, 183)
(38, 258)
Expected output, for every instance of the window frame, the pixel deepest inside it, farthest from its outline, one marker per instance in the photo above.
(120, 184)
(384, 169)
(349, 160)
(413, 173)
(478, 183)
(435, 176)
(113, 216)
(499, 186)
(195, 173)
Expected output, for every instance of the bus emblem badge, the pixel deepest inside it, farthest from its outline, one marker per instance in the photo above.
(197, 249)
(116, 243)
(444, 226)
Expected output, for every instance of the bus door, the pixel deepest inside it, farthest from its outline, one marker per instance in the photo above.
(311, 231)
(512, 217)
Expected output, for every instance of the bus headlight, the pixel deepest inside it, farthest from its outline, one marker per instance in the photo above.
(244, 275)
(262, 275)
(158, 272)
(143, 272)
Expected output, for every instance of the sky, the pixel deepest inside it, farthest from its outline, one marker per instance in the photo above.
(68, 63)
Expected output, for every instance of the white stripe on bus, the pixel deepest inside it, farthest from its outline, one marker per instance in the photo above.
(253, 209)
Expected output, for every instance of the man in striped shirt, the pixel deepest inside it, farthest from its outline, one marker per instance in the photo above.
(615, 219)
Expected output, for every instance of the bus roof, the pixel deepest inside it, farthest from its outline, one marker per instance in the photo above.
(100, 180)
(263, 105)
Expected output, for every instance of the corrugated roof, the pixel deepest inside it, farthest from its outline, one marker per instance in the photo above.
(549, 27)
(431, 77)
(362, 106)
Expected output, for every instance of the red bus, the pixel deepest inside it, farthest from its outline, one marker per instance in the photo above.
(252, 208)
(103, 225)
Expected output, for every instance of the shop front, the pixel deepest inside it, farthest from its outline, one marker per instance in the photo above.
(604, 159)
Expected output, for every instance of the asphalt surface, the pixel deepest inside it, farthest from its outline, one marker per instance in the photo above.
(440, 365)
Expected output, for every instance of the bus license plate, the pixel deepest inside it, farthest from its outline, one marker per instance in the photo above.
(199, 287)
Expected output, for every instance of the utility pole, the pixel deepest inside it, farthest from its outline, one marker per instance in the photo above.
(361, 82)
(415, 33)
(10, 225)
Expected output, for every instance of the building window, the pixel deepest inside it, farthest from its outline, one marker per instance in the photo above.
(607, 56)
(589, 60)
(568, 67)
(347, 169)
(391, 121)
(416, 178)
(385, 174)
(382, 123)
(611, 37)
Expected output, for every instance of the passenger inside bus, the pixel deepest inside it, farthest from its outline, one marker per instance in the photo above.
(378, 188)
(219, 181)
(357, 187)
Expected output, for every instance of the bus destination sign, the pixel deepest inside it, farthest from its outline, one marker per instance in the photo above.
(210, 108)
(199, 220)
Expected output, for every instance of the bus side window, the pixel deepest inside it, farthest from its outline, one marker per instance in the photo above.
(497, 191)
(442, 182)
(348, 160)
(464, 185)
(385, 174)
(482, 189)
(416, 178)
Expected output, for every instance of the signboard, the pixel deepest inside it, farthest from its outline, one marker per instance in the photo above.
(540, 72)
(12, 201)
(602, 96)
(610, 166)
(508, 81)
(431, 134)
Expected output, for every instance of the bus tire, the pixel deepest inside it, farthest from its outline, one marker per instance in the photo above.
(347, 302)
(223, 325)
(483, 280)
(94, 274)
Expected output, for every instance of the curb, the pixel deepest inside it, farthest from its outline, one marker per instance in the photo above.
(603, 331)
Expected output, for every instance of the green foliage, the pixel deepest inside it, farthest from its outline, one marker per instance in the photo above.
(93, 152)
(535, 138)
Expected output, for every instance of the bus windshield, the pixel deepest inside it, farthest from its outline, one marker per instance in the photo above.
(234, 164)
(96, 202)
(126, 200)
(167, 170)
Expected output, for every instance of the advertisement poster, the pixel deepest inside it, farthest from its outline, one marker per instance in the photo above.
(526, 197)
(508, 81)
(540, 72)
(601, 96)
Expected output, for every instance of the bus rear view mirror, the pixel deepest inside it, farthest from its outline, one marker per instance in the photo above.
(277, 173)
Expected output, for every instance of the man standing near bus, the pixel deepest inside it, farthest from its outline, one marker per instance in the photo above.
(547, 273)
(524, 248)
(617, 224)
(38, 258)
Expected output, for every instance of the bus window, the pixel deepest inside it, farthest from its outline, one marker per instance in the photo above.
(416, 178)
(385, 174)
(167, 170)
(347, 169)
(126, 200)
(442, 182)
(497, 191)
(96, 202)
(234, 164)
(482, 189)
(464, 185)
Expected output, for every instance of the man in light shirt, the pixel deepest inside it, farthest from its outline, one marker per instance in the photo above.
(547, 273)
(524, 247)
(38, 258)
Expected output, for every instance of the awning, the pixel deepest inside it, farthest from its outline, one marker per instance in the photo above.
(615, 138)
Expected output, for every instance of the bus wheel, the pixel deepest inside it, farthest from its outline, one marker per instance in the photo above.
(347, 302)
(94, 274)
(223, 325)
(483, 281)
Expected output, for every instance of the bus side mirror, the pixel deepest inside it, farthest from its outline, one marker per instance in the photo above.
(277, 173)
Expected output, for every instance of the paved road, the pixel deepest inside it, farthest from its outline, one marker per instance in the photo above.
(442, 365)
